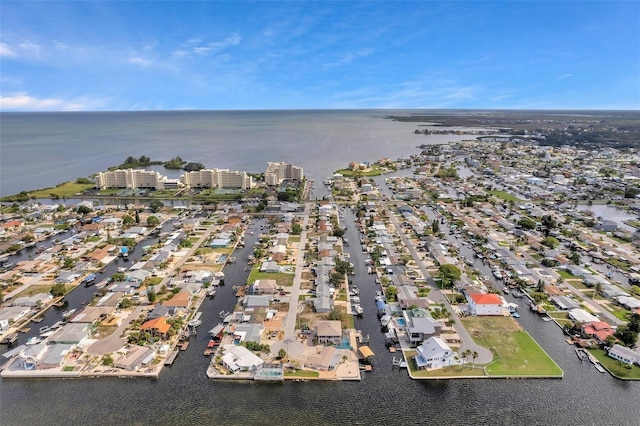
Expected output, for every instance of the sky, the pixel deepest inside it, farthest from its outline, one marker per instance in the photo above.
(231, 55)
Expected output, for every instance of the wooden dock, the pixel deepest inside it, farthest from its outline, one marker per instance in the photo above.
(184, 346)
(172, 357)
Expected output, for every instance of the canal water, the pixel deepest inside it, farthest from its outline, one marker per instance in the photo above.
(183, 395)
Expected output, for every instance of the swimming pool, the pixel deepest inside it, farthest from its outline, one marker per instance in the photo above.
(401, 322)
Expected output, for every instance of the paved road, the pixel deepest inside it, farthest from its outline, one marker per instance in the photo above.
(290, 326)
(484, 355)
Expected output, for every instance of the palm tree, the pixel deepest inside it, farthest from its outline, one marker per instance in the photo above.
(474, 355)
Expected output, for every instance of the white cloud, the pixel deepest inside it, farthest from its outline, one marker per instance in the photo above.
(197, 46)
(5, 50)
(563, 76)
(24, 102)
(349, 57)
(136, 60)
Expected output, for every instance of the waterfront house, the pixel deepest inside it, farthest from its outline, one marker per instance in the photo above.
(179, 302)
(270, 266)
(239, 358)
(623, 354)
(255, 301)
(564, 303)
(71, 333)
(434, 353)
(134, 358)
(264, 287)
(420, 325)
(597, 330)
(485, 304)
(328, 332)
(157, 327)
(326, 359)
(581, 316)
(248, 332)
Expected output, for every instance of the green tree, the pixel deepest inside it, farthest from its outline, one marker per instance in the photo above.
(627, 336)
(449, 274)
(137, 217)
(127, 220)
(527, 223)
(634, 322)
(68, 262)
(391, 293)
(153, 221)
(84, 210)
(435, 227)
(550, 242)
(156, 206)
(282, 354)
(151, 295)
(58, 290)
(126, 303)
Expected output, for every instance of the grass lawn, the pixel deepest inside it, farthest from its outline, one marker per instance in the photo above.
(614, 366)
(285, 280)
(566, 274)
(620, 313)
(453, 371)
(503, 195)
(515, 351)
(302, 373)
(294, 239)
(69, 368)
(67, 189)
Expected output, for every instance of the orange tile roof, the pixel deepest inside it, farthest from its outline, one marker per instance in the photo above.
(486, 299)
(159, 324)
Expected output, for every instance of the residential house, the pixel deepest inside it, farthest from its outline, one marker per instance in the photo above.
(134, 358)
(328, 332)
(264, 287)
(325, 359)
(435, 353)
(597, 330)
(420, 325)
(157, 327)
(239, 358)
(626, 355)
(485, 304)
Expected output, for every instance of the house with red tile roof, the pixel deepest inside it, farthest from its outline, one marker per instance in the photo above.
(485, 304)
(598, 330)
(157, 326)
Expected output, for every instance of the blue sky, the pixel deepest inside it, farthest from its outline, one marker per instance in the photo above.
(319, 54)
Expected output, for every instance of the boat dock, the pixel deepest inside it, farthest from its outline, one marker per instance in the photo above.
(184, 346)
(172, 357)
(583, 353)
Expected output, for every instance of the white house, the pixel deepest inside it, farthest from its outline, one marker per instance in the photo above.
(485, 304)
(435, 353)
(626, 355)
(239, 358)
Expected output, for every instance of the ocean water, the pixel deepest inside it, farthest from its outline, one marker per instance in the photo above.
(40, 150)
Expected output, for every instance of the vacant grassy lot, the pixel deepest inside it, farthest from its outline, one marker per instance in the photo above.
(503, 195)
(285, 280)
(67, 189)
(516, 353)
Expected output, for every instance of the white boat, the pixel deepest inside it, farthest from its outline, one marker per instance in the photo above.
(211, 291)
(385, 320)
(358, 310)
(497, 274)
(67, 314)
(34, 340)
